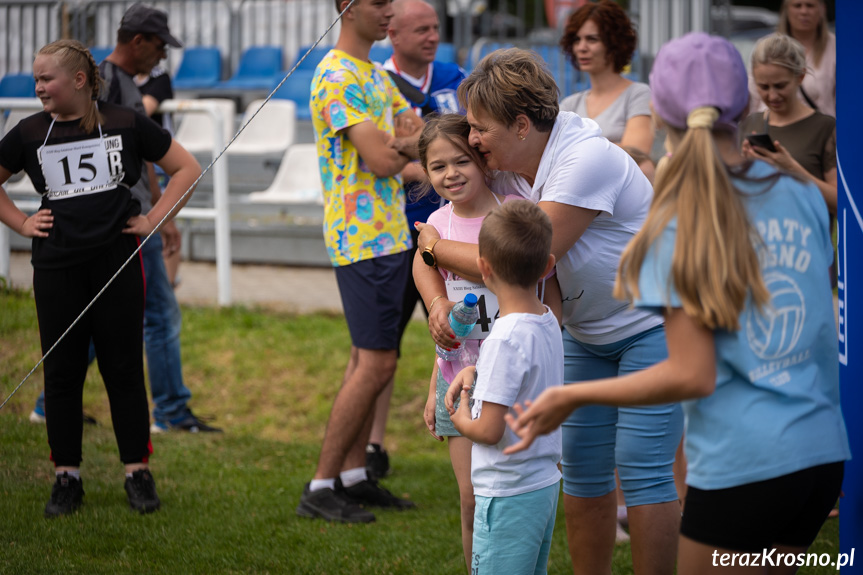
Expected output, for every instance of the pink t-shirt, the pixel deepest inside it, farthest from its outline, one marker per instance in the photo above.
(453, 227)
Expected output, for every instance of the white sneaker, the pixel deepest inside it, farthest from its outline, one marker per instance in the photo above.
(620, 536)
(37, 417)
(158, 427)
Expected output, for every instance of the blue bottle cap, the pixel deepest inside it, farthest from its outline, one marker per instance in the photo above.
(470, 300)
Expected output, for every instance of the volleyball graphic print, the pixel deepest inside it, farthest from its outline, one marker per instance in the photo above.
(775, 331)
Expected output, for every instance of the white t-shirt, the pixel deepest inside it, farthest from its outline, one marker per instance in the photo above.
(581, 168)
(521, 357)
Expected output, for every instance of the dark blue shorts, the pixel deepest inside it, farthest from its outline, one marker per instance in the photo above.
(372, 292)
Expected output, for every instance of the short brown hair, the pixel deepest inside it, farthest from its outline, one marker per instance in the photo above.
(615, 29)
(510, 82)
(515, 239)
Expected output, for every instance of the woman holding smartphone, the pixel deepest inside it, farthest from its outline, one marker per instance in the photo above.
(804, 139)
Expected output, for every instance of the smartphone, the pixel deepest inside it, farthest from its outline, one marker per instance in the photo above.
(761, 141)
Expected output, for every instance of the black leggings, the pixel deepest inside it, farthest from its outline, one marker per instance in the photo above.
(115, 323)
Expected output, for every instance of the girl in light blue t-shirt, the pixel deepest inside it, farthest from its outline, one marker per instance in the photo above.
(733, 255)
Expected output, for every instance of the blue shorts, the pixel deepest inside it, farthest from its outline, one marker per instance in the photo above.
(372, 292)
(513, 534)
(639, 441)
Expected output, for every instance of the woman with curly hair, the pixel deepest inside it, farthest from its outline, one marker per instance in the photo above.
(599, 39)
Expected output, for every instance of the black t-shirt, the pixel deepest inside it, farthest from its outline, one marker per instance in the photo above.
(158, 85)
(85, 223)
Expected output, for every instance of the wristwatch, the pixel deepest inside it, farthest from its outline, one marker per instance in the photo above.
(428, 254)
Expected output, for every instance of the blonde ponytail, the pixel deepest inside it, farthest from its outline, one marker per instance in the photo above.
(715, 264)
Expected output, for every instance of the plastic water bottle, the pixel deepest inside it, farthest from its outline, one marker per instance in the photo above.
(462, 318)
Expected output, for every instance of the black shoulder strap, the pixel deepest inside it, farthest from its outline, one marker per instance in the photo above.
(409, 91)
(808, 99)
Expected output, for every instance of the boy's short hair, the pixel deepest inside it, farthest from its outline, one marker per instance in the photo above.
(515, 239)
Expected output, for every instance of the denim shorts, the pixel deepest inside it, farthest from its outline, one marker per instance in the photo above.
(372, 292)
(513, 534)
(639, 441)
(443, 424)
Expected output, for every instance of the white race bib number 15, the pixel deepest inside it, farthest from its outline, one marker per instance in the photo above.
(76, 168)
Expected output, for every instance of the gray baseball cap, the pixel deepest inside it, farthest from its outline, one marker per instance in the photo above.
(141, 19)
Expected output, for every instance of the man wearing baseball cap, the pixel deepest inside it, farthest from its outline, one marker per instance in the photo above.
(142, 41)
(141, 19)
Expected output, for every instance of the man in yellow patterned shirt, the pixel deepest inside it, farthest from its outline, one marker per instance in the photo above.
(357, 112)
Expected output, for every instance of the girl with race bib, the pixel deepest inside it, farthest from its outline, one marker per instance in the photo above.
(457, 174)
(83, 157)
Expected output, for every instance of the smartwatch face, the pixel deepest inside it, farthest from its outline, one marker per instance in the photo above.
(428, 258)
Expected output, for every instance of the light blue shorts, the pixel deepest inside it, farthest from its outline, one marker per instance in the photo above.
(639, 441)
(512, 535)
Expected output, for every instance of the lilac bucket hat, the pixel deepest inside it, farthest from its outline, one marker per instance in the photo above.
(699, 70)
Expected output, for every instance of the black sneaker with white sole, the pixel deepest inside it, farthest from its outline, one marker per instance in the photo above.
(327, 504)
(141, 490)
(67, 494)
(370, 493)
(377, 461)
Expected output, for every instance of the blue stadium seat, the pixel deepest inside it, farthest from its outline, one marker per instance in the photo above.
(298, 89)
(18, 86)
(258, 65)
(380, 53)
(482, 48)
(100, 52)
(200, 68)
(446, 53)
(313, 59)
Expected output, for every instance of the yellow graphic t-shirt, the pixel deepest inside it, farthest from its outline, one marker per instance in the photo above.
(363, 214)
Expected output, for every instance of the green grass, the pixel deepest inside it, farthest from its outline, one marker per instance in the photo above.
(229, 499)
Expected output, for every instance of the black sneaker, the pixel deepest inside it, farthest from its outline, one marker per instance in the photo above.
(329, 505)
(377, 461)
(369, 493)
(141, 489)
(67, 494)
(188, 422)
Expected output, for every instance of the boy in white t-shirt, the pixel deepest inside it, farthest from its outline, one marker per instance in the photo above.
(516, 496)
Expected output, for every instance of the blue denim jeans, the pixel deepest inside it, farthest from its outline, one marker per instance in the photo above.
(162, 323)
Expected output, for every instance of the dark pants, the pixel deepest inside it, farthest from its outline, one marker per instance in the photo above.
(115, 323)
(412, 295)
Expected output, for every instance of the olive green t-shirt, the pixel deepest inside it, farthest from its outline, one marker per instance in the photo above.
(811, 141)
